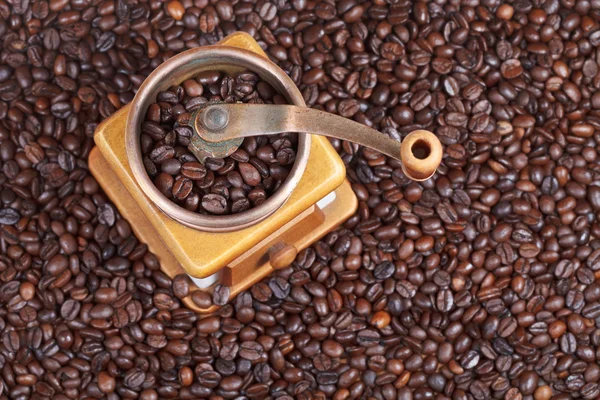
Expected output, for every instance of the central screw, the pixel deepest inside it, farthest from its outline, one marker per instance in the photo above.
(215, 118)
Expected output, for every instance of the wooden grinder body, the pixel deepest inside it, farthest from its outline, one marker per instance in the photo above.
(322, 200)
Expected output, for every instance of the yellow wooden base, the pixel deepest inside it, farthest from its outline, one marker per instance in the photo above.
(301, 232)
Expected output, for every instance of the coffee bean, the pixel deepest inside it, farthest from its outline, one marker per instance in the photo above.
(251, 350)
(181, 286)
(568, 343)
(405, 289)
(507, 326)
(280, 288)
(171, 166)
(9, 216)
(384, 270)
(593, 260)
(470, 360)
(445, 300)
(220, 295)
(193, 170)
(106, 215)
(214, 203)
(590, 390)
(106, 383)
(11, 340)
(249, 174)
(161, 154)
(182, 187)
(591, 310)
(106, 295)
(70, 309)
(134, 378)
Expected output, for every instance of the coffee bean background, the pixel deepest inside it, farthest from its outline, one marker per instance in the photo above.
(480, 283)
(218, 186)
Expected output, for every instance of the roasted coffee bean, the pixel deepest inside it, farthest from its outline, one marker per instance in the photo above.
(70, 309)
(251, 350)
(182, 187)
(162, 154)
(214, 203)
(192, 170)
(221, 295)
(9, 216)
(181, 286)
(202, 299)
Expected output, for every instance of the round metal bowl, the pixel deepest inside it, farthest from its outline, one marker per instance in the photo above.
(185, 66)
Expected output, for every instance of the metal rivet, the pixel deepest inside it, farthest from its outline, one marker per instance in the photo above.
(215, 118)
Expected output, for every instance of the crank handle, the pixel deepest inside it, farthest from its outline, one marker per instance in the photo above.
(420, 152)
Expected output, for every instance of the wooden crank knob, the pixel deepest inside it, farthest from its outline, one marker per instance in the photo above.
(281, 255)
(421, 153)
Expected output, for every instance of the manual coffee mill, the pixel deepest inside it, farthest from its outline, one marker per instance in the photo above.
(239, 250)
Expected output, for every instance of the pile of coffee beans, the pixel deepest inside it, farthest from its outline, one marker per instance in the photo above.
(215, 185)
(480, 283)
